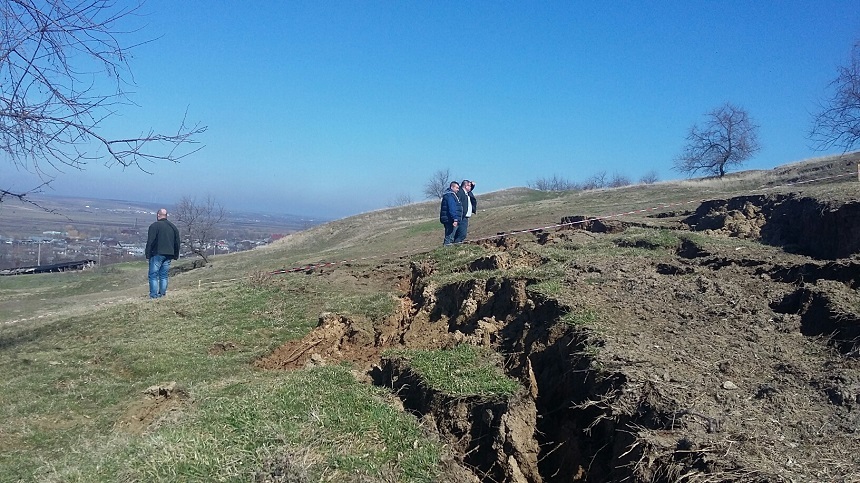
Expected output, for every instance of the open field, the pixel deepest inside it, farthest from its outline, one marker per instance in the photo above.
(111, 231)
(94, 216)
(704, 330)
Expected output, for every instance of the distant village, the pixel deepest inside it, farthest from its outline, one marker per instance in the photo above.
(54, 247)
(103, 232)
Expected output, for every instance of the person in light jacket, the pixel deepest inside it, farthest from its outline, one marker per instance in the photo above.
(470, 206)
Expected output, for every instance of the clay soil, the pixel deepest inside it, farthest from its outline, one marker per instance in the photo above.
(728, 355)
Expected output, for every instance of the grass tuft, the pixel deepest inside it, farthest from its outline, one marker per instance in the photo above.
(462, 371)
(580, 318)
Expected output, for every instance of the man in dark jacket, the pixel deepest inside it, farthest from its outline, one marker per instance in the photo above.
(162, 246)
(450, 212)
(470, 206)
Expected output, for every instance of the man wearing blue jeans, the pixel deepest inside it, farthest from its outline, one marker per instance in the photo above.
(162, 246)
(450, 212)
(470, 206)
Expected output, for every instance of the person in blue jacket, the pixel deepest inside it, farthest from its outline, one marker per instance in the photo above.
(450, 212)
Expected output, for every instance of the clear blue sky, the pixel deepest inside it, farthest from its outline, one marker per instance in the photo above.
(332, 108)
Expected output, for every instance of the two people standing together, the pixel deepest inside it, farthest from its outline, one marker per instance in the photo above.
(458, 205)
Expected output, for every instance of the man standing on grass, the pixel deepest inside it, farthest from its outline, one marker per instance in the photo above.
(470, 206)
(162, 246)
(450, 212)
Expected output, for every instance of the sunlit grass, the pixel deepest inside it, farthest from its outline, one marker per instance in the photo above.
(650, 239)
(427, 228)
(549, 288)
(454, 257)
(580, 318)
(461, 371)
(71, 381)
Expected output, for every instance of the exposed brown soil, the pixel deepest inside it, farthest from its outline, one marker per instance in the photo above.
(706, 362)
(155, 404)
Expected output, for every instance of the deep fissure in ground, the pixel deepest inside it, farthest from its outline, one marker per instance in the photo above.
(580, 417)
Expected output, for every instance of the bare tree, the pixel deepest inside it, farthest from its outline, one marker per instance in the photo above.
(556, 183)
(619, 180)
(596, 181)
(198, 223)
(437, 184)
(649, 178)
(838, 123)
(51, 104)
(728, 138)
(401, 199)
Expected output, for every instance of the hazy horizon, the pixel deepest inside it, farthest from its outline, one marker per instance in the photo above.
(326, 110)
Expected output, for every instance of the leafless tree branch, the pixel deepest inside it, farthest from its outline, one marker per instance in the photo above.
(51, 104)
(728, 138)
(437, 184)
(838, 122)
(198, 223)
(22, 197)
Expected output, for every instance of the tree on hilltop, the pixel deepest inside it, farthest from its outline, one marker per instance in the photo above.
(52, 102)
(650, 177)
(838, 123)
(727, 138)
(437, 184)
(555, 183)
(595, 181)
(400, 199)
(619, 181)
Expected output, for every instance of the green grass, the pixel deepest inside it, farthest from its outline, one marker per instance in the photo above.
(650, 239)
(242, 428)
(580, 318)
(454, 257)
(70, 381)
(21, 295)
(247, 425)
(451, 263)
(461, 371)
(425, 228)
(374, 306)
(549, 288)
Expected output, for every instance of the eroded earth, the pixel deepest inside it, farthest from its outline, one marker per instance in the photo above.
(729, 354)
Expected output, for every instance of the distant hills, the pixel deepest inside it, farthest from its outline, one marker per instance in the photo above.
(55, 213)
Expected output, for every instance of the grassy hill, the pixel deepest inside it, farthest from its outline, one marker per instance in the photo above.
(697, 330)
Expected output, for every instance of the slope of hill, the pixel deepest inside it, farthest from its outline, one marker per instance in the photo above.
(704, 330)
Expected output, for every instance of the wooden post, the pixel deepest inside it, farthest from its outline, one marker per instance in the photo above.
(858, 171)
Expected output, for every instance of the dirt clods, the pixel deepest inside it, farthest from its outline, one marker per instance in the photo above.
(820, 229)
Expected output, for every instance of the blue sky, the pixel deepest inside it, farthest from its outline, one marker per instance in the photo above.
(330, 108)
